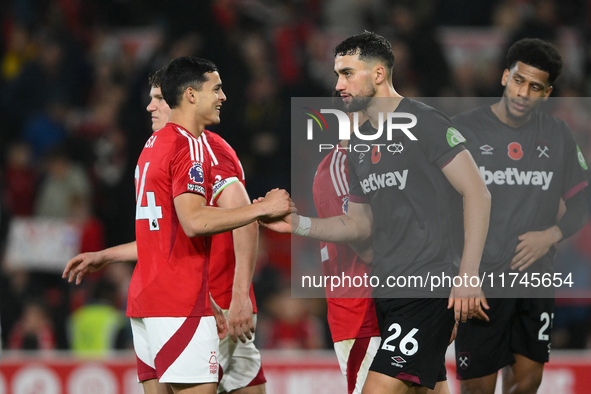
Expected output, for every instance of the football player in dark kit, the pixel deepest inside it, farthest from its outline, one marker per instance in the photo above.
(530, 161)
(401, 196)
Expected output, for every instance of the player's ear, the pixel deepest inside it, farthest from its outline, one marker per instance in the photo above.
(190, 94)
(547, 92)
(505, 77)
(380, 73)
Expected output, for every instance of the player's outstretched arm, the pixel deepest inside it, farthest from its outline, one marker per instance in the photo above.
(246, 238)
(463, 174)
(354, 228)
(198, 219)
(87, 263)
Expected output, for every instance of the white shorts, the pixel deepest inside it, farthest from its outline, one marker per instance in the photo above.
(355, 357)
(240, 363)
(176, 349)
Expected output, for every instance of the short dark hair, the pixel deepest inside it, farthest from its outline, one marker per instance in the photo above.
(536, 53)
(181, 73)
(155, 80)
(368, 45)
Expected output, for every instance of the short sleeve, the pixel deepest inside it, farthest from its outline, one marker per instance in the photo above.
(438, 138)
(226, 168)
(356, 194)
(226, 164)
(189, 174)
(576, 175)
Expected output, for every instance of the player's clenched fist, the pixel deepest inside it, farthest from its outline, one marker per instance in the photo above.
(277, 204)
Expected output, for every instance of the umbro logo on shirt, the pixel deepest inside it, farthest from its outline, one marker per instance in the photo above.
(486, 149)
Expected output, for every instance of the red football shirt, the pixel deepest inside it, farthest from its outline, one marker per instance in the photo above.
(348, 318)
(171, 276)
(225, 169)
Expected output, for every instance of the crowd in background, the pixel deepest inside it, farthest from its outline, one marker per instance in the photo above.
(74, 83)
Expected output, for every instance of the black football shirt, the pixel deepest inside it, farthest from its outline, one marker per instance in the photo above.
(527, 170)
(410, 197)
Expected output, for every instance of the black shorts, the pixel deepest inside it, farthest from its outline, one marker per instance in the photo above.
(415, 335)
(517, 325)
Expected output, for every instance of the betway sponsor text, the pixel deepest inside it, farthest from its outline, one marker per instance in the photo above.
(513, 176)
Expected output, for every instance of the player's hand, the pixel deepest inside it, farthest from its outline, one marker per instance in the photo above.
(481, 315)
(283, 224)
(533, 245)
(292, 207)
(366, 255)
(81, 265)
(240, 323)
(286, 225)
(220, 320)
(364, 249)
(466, 302)
(454, 333)
(277, 204)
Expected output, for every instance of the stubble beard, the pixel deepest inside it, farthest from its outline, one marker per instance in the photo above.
(520, 117)
(359, 103)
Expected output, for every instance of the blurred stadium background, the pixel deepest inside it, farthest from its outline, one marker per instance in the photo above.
(74, 87)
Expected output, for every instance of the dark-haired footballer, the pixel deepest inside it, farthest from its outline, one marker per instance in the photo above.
(173, 317)
(401, 200)
(529, 161)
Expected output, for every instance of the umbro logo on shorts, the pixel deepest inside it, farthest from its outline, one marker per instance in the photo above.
(398, 361)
